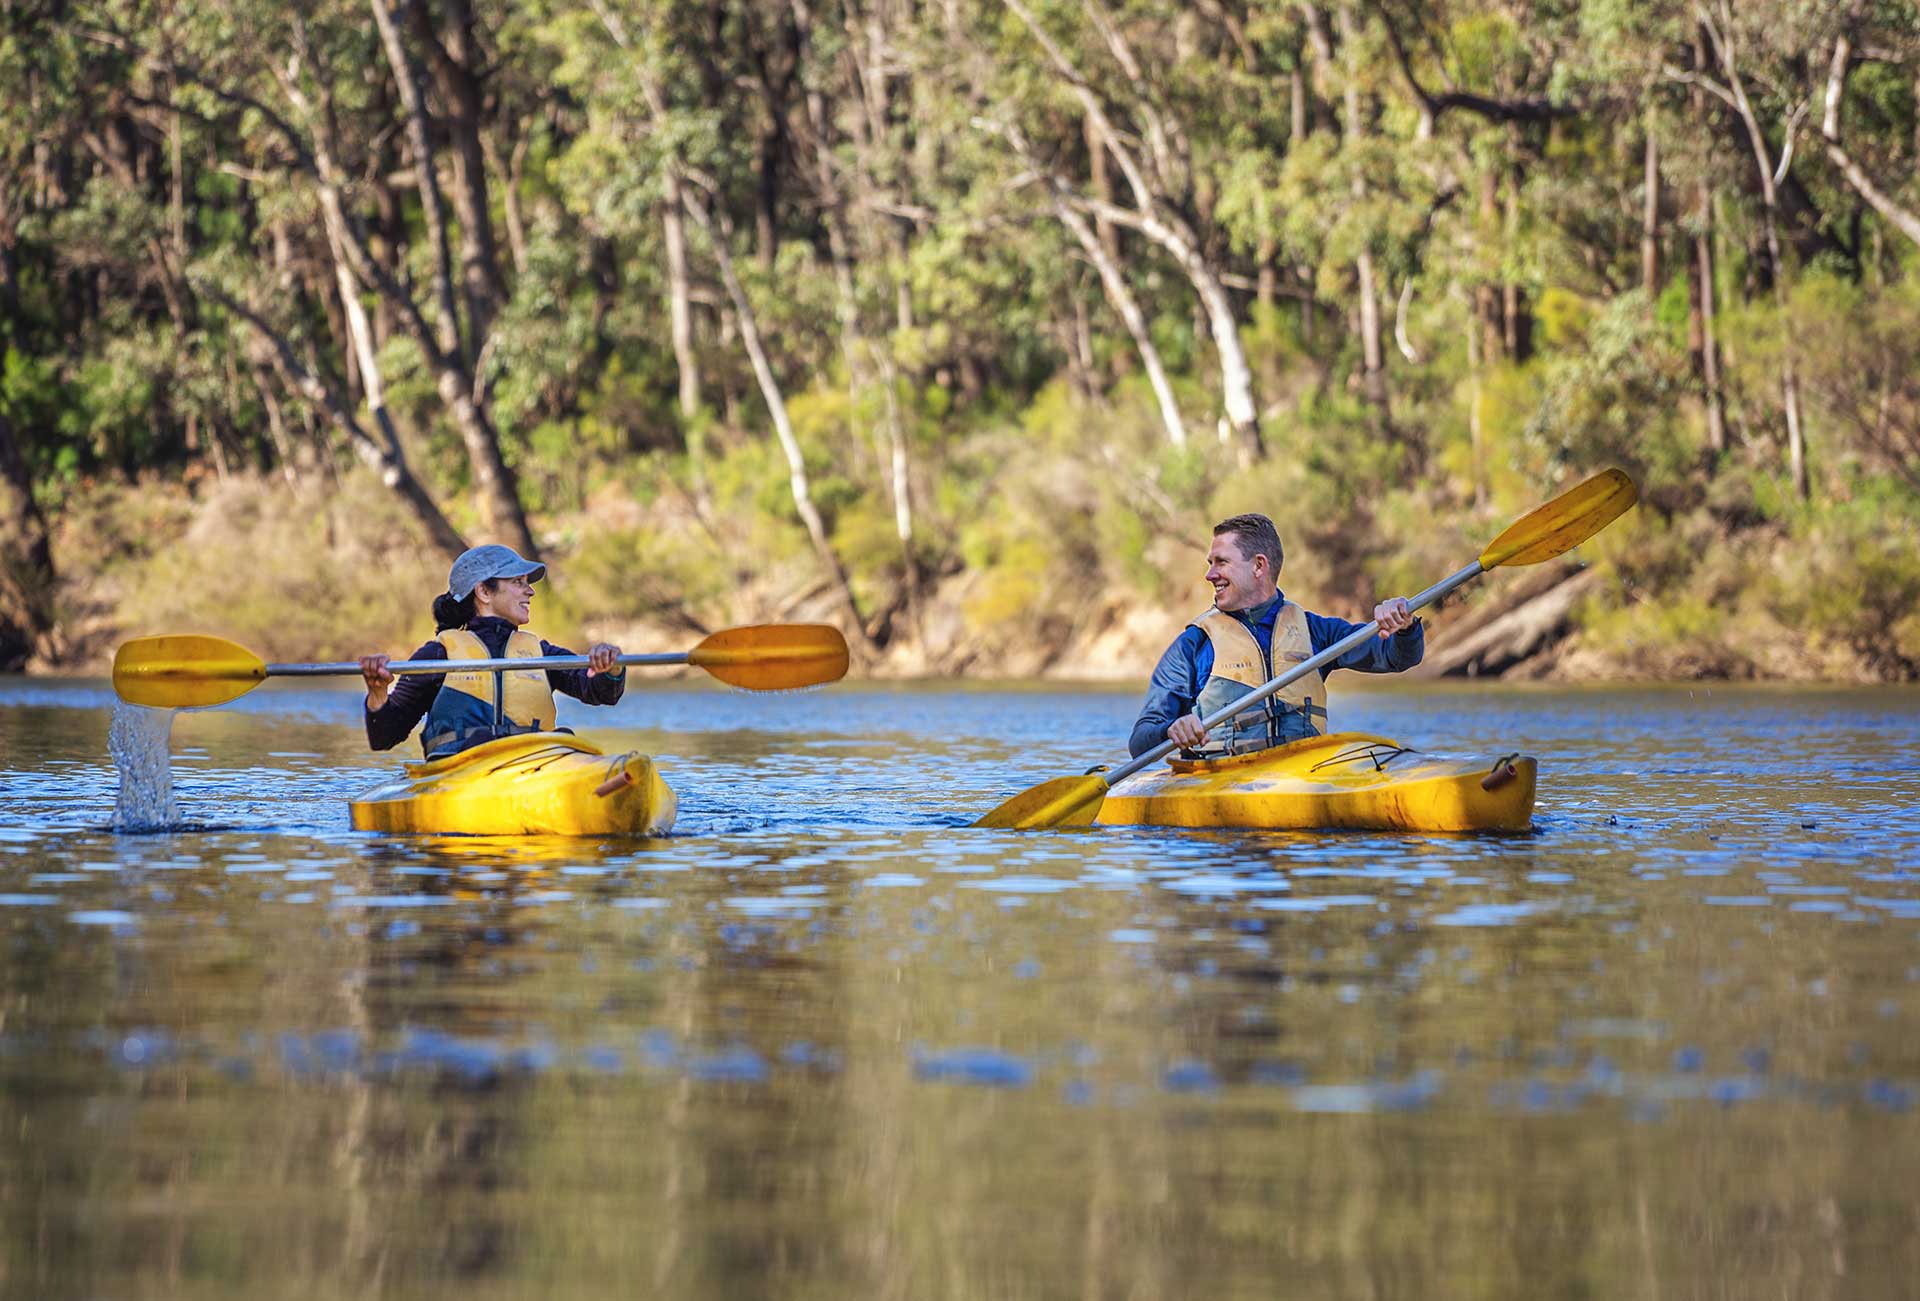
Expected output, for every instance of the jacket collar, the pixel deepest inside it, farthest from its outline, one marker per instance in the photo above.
(1263, 613)
(493, 631)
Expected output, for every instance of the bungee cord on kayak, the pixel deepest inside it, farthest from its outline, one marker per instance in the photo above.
(1381, 754)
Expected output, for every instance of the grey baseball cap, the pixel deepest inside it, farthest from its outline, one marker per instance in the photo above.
(477, 564)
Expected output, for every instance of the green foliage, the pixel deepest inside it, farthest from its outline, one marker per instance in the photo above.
(907, 270)
(1564, 317)
(1252, 201)
(560, 460)
(1619, 401)
(865, 538)
(1675, 604)
(1054, 419)
(1845, 576)
(1672, 307)
(620, 574)
(1486, 48)
(1013, 586)
(31, 397)
(108, 529)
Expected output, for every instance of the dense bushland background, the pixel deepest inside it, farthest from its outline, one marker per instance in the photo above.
(959, 322)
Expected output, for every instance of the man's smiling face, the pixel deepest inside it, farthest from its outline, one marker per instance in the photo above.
(1239, 582)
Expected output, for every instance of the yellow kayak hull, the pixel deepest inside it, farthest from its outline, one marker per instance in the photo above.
(543, 783)
(1347, 780)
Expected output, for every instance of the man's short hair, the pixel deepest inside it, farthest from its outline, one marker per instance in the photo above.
(1256, 536)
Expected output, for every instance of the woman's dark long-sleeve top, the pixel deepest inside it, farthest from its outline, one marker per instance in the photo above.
(1187, 664)
(412, 694)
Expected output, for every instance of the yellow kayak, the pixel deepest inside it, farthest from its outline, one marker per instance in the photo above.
(543, 783)
(1345, 780)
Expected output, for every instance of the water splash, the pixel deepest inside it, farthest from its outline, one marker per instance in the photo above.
(140, 740)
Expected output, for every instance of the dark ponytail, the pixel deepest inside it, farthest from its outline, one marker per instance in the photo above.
(449, 613)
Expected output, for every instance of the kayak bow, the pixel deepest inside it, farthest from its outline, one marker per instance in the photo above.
(542, 783)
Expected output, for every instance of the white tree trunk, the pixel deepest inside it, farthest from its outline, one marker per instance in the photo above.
(1159, 222)
(1709, 330)
(1121, 296)
(1650, 219)
(777, 408)
(679, 301)
(1236, 375)
(1372, 354)
(1902, 219)
(1735, 93)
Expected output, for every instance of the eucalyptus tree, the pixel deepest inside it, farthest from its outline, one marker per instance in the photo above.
(34, 71)
(1744, 66)
(1120, 75)
(658, 132)
(1728, 76)
(26, 560)
(1884, 40)
(361, 148)
(854, 140)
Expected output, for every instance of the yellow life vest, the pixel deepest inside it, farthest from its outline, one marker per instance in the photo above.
(485, 705)
(1239, 667)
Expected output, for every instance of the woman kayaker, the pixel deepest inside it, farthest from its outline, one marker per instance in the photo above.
(489, 598)
(1252, 635)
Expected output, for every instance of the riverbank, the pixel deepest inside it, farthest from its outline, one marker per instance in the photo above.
(330, 568)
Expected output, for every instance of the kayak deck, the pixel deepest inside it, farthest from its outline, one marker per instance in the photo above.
(542, 783)
(1346, 780)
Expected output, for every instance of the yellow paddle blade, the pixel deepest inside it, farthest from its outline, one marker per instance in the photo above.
(1563, 523)
(1062, 802)
(184, 671)
(774, 657)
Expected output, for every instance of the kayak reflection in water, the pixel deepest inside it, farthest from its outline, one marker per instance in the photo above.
(1251, 636)
(489, 598)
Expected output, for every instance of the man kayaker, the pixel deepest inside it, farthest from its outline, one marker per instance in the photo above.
(489, 598)
(1251, 636)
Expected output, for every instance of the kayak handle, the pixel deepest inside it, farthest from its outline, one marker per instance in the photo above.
(614, 784)
(1502, 773)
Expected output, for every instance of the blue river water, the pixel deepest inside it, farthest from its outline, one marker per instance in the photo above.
(827, 1038)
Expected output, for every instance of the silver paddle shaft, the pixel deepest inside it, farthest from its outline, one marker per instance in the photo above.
(1355, 638)
(469, 666)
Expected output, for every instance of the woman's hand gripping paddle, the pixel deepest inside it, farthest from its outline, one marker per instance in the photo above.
(195, 672)
(1541, 534)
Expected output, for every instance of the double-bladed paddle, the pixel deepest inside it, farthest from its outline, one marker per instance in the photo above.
(1541, 534)
(194, 672)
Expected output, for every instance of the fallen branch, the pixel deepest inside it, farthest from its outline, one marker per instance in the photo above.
(1514, 636)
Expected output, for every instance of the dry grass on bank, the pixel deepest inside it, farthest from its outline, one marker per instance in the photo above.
(1076, 578)
(304, 574)
(291, 573)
